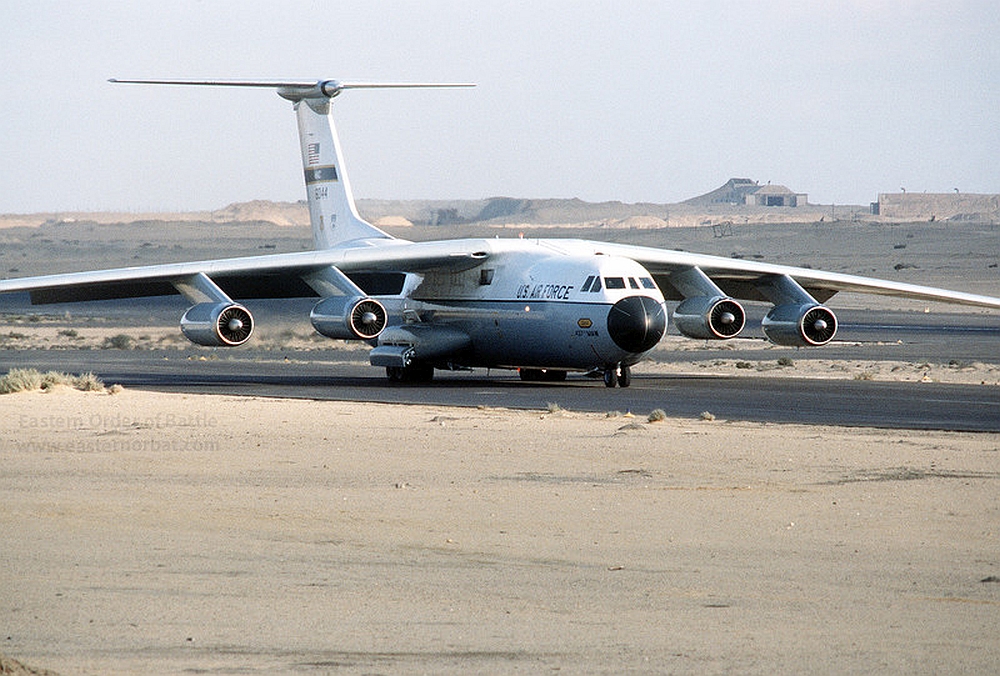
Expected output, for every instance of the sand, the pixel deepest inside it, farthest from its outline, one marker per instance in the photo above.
(160, 533)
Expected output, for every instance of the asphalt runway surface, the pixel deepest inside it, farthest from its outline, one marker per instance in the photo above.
(342, 375)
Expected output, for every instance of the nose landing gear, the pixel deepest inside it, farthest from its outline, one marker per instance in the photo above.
(619, 375)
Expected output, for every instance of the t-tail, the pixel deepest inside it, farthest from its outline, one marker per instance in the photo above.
(332, 213)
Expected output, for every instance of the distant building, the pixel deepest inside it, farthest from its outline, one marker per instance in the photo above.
(934, 206)
(775, 196)
(745, 191)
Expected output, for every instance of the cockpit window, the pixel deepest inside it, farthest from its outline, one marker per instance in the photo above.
(597, 285)
(634, 284)
(614, 283)
(647, 283)
(586, 285)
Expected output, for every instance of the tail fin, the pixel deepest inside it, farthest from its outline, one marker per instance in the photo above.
(332, 212)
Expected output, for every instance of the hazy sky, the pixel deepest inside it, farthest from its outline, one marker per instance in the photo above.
(630, 101)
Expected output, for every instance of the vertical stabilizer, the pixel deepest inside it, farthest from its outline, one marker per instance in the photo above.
(332, 213)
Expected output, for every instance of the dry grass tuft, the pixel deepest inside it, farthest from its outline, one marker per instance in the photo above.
(30, 380)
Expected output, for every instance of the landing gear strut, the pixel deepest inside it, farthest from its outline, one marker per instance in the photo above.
(618, 376)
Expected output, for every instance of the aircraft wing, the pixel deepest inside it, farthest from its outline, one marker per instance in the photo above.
(741, 279)
(267, 276)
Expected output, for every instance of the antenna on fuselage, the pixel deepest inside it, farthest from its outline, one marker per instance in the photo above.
(332, 213)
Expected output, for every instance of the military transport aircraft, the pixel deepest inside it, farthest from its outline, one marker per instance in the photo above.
(542, 306)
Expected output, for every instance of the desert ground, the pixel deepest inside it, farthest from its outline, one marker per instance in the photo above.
(159, 533)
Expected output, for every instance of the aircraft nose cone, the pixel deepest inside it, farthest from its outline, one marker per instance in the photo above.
(637, 323)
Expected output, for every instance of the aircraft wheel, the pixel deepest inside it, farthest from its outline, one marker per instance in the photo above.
(419, 373)
(625, 376)
(414, 373)
(611, 377)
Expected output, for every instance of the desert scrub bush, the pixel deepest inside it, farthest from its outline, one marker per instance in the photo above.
(29, 380)
(88, 382)
(20, 380)
(786, 361)
(51, 379)
(657, 415)
(553, 407)
(119, 341)
(707, 416)
(69, 333)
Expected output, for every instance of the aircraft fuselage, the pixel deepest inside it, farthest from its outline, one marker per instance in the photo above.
(538, 307)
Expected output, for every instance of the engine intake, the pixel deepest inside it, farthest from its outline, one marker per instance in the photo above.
(217, 324)
(714, 318)
(800, 325)
(349, 318)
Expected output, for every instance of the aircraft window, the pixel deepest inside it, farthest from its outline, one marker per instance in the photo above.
(597, 285)
(485, 277)
(614, 283)
(586, 285)
(647, 283)
(634, 284)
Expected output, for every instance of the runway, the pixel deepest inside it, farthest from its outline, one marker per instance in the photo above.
(336, 373)
(322, 375)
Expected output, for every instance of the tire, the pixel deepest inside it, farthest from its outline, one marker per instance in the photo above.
(418, 373)
(414, 373)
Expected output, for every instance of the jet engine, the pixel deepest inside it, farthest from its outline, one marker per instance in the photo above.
(715, 318)
(349, 318)
(217, 324)
(800, 325)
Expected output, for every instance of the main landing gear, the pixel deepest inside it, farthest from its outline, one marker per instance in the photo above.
(414, 373)
(618, 376)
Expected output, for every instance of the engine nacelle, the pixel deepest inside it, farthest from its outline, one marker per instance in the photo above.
(800, 325)
(349, 318)
(716, 318)
(217, 324)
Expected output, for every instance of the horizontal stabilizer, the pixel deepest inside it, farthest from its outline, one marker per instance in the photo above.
(297, 89)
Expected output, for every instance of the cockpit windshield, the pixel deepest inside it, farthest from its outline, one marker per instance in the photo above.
(593, 283)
